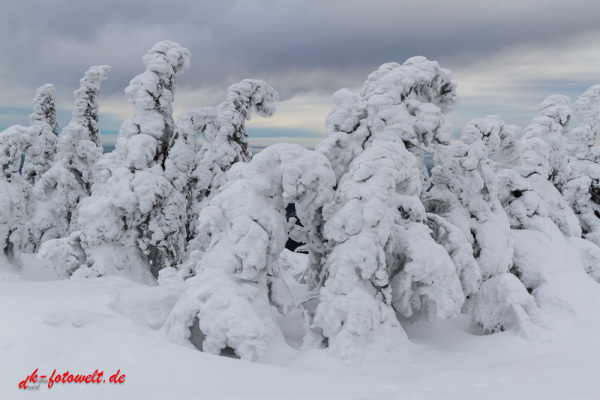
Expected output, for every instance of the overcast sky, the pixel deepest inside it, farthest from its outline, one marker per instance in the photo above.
(506, 56)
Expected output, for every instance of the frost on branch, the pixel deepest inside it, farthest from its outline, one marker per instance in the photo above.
(14, 195)
(136, 215)
(225, 139)
(42, 135)
(60, 189)
(238, 276)
(375, 227)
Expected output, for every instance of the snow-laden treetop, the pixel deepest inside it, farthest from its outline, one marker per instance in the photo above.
(44, 108)
(85, 112)
(163, 61)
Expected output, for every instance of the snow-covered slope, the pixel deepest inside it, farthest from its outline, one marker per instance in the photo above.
(110, 324)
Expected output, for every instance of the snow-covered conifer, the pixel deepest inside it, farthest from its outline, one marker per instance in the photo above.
(134, 222)
(550, 125)
(60, 189)
(14, 195)
(41, 147)
(465, 193)
(379, 244)
(582, 191)
(238, 277)
(225, 139)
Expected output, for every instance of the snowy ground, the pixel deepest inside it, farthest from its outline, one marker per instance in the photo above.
(111, 324)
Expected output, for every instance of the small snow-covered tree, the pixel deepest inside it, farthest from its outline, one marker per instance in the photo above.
(40, 150)
(69, 180)
(379, 248)
(237, 277)
(465, 193)
(529, 181)
(550, 258)
(225, 139)
(134, 222)
(14, 195)
(551, 125)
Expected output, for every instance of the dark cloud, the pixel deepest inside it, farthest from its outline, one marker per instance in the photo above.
(298, 46)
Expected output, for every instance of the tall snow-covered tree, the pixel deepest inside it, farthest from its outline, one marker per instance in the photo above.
(134, 222)
(14, 195)
(69, 180)
(381, 255)
(226, 140)
(40, 150)
(237, 276)
(582, 191)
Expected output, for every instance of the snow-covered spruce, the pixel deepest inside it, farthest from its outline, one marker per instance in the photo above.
(582, 191)
(225, 139)
(526, 189)
(59, 190)
(465, 193)
(40, 148)
(551, 125)
(382, 257)
(14, 195)
(238, 277)
(134, 222)
(549, 261)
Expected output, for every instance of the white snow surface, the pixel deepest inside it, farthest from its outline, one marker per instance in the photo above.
(112, 323)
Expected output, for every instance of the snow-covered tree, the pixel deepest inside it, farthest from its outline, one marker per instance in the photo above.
(381, 255)
(550, 258)
(551, 125)
(14, 195)
(237, 275)
(582, 191)
(134, 222)
(465, 193)
(529, 181)
(43, 135)
(69, 180)
(225, 139)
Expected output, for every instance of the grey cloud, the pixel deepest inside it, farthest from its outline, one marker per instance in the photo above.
(297, 46)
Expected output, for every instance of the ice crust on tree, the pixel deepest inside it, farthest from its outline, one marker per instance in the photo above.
(14, 195)
(40, 148)
(226, 140)
(236, 271)
(375, 227)
(61, 188)
(134, 222)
